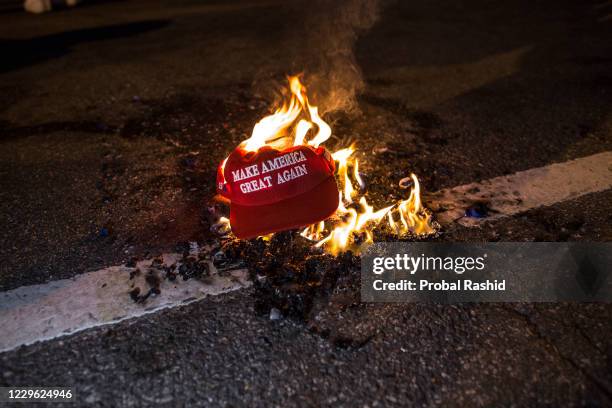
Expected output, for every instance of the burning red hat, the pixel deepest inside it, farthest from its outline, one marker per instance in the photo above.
(272, 190)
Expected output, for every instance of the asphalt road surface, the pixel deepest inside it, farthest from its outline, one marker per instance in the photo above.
(114, 117)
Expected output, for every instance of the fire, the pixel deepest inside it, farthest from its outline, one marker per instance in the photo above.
(297, 122)
(277, 129)
(350, 227)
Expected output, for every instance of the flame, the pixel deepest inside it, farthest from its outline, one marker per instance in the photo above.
(342, 157)
(278, 129)
(353, 224)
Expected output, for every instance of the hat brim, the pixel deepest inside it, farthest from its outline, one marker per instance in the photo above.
(317, 204)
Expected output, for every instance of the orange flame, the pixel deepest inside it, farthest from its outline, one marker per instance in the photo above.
(352, 227)
(277, 129)
(294, 124)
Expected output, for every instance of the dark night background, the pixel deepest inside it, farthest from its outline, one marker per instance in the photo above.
(114, 116)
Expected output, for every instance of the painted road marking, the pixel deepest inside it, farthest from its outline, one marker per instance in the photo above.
(43, 312)
(525, 190)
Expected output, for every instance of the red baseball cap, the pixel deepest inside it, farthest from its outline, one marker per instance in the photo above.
(272, 190)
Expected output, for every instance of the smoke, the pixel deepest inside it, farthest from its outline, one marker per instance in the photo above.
(326, 50)
(318, 40)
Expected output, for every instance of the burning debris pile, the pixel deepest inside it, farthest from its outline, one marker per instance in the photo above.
(302, 272)
(354, 222)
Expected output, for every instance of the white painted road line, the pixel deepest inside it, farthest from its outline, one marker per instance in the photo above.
(525, 190)
(43, 312)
